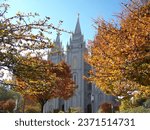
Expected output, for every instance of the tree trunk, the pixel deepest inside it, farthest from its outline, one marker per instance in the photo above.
(42, 106)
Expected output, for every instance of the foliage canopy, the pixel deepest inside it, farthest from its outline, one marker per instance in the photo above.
(120, 54)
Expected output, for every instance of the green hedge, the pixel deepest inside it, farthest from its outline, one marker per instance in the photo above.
(139, 109)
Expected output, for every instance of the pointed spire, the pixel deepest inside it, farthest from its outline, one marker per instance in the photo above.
(58, 42)
(78, 29)
(58, 38)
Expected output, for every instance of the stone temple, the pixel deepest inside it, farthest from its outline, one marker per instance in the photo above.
(87, 97)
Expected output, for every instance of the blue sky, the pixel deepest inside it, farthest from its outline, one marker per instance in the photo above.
(67, 11)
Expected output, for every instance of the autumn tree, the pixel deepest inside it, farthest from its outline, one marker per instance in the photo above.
(120, 54)
(20, 34)
(25, 34)
(42, 80)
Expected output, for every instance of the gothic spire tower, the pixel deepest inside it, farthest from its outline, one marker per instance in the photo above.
(75, 53)
(57, 54)
(77, 37)
(78, 28)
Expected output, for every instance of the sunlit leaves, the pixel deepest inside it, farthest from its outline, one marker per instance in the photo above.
(120, 55)
(42, 79)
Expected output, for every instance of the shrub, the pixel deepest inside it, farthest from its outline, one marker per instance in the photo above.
(32, 109)
(7, 106)
(74, 110)
(126, 105)
(147, 103)
(106, 108)
(139, 109)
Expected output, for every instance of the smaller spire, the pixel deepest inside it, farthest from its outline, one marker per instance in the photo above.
(58, 42)
(78, 29)
(58, 38)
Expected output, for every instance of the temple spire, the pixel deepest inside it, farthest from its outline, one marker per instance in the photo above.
(58, 38)
(58, 42)
(78, 29)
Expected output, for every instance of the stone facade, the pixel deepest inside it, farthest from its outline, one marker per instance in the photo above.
(87, 97)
